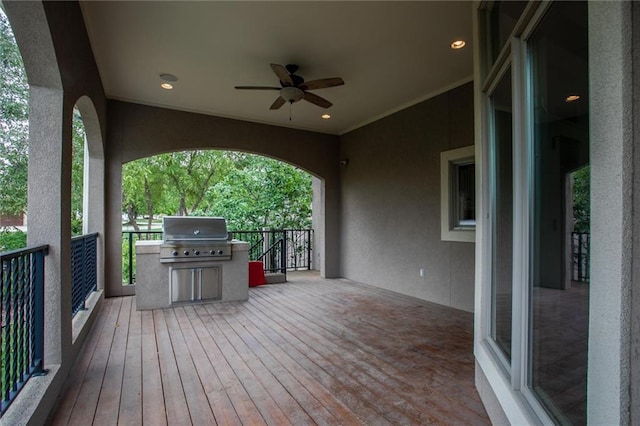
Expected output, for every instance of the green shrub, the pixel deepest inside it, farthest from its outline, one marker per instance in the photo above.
(12, 239)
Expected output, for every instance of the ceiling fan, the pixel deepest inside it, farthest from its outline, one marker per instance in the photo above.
(293, 87)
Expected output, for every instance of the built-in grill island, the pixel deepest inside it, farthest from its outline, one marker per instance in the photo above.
(196, 261)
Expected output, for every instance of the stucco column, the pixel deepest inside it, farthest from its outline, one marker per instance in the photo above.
(330, 250)
(635, 286)
(113, 219)
(611, 134)
(49, 215)
(94, 181)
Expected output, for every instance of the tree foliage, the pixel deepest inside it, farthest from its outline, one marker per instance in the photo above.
(250, 191)
(77, 173)
(581, 200)
(260, 192)
(12, 239)
(14, 124)
(14, 140)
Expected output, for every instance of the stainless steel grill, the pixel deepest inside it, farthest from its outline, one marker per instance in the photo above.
(189, 239)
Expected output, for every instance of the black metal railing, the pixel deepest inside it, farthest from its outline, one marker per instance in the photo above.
(274, 258)
(22, 320)
(580, 256)
(295, 252)
(83, 270)
(129, 239)
(297, 246)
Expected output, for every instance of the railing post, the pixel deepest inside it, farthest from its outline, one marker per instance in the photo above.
(575, 258)
(38, 344)
(283, 255)
(308, 249)
(130, 257)
(84, 274)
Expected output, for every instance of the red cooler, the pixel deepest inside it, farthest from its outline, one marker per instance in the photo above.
(256, 274)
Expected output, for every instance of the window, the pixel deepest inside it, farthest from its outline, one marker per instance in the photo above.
(458, 194)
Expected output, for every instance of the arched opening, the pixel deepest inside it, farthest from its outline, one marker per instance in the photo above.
(78, 173)
(258, 196)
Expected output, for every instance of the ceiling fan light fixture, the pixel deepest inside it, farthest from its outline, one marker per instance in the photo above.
(458, 44)
(325, 116)
(167, 86)
(291, 94)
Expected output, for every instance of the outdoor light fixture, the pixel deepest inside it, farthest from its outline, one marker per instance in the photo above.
(168, 79)
(458, 44)
(572, 98)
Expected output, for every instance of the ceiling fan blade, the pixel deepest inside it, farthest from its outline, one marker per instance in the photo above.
(257, 88)
(278, 103)
(317, 100)
(322, 83)
(282, 74)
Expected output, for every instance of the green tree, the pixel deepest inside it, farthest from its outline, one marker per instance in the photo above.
(77, 173)
(144, 188)
(251, 191)
(191, 176)
(262, 192)
(14, 124)
(581, 200)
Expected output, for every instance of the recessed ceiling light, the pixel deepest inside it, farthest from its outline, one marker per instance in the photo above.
(168, 77)
(167, 86)
(458, 44)
(326, 116)
(572, 98)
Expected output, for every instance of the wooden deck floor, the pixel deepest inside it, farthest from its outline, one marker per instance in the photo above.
(311, 351)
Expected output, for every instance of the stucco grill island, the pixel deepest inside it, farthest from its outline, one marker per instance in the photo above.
(196, 261)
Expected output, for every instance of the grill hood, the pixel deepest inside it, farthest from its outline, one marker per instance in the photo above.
(184, 229)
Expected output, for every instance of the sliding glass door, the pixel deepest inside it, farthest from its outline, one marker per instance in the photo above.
(538, 157)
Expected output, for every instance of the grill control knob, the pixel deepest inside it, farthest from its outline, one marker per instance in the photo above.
(212, 252)
(197, 252)
(186, 252)
(175, 253)
(220, 252)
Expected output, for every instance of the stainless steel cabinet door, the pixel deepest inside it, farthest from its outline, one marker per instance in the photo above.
(183, 285)
(209, 285)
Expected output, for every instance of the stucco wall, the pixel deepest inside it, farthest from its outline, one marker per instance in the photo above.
(612, 147)
(390, 202)
(137, 131)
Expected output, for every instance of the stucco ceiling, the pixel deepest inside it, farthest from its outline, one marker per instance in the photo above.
(390, 55)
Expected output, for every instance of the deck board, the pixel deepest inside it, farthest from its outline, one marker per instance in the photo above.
(108, 410)
(86, 402)
(153, 406)
(74, 383)
(311, 351)
(130, 410)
